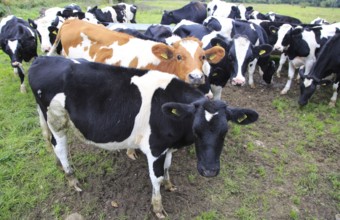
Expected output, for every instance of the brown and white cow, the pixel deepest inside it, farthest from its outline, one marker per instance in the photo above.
(184, 58)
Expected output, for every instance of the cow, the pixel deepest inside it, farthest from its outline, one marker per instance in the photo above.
(326, 63)
(47, 26)
(185, 58)
(253, 45)
(158, 32)
(319, 21)
(139, 109)
(19, 41)
(301, 45)
(194, 11)
(115, 13)
(282, 18)
(224, 9)
(130, 12)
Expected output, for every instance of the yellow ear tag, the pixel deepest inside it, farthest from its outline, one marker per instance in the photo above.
(164, 55)
(262, 52)
(212, 57)
(54, 32)
(214, 74)
(218, 44)
(174, 111)
(242, 118)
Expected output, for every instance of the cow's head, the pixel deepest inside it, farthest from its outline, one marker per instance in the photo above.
(281, 33)
(121, 14)
(187, 59)
(168, 18)
(308, 85)
(209, 128)
(239, 53)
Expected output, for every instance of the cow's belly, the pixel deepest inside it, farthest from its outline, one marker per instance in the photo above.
(298, 62)
(133, 141)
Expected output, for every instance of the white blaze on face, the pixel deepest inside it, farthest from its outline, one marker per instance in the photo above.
(42, 28)
(307, 82)
(192, 47)
(13, 45)
(209, 116)
(241, 48)
(280, 35)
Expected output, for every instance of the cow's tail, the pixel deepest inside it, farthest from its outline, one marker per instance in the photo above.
(56, 43)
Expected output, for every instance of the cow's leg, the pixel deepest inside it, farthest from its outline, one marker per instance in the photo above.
(156, 173)
(335, 94)
(21, 75)
(283, 59)
(57, 121)
(166, 182)
(217, 92)
(251, 70)
(44, 127)
(291, 72)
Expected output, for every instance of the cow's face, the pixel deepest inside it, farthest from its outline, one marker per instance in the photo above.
(209, 128)
(168, 18)
(240, 53)
(187, 59)
(12, 48)
(281, 33)
(308, 86)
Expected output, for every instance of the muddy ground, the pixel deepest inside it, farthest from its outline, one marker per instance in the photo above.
(128, 186)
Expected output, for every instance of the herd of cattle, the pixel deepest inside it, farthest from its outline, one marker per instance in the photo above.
(162, 88)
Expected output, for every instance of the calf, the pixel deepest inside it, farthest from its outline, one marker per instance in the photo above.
(185, 58)
(147, 110)
(194, 11)
(19, 41)
(327, 62)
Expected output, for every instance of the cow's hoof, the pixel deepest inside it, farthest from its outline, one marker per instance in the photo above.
(23, 89)
(73, 182)
(132, 154)
(331, 104)
(161, 214)
(169, 186)
(283, 92)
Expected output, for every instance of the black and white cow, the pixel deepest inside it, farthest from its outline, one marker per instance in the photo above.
(327, 62)
(242, 52)
(282, 18)
(19, 41)
(319, 21)
(194, 11)
(301, 45)
(71, 10)
(147, 110)
(115, 13)
(130, 12)
(224, 9)
(158, 32)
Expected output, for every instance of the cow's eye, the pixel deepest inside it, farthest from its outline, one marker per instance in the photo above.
(204, 57)
(179, 57)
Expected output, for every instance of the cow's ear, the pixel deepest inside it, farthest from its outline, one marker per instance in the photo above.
(262, 50)
(273, 29)
(162, 51)
(178, 111)
(249, 9)
(215, 54)
(32, 23)
(241, 116)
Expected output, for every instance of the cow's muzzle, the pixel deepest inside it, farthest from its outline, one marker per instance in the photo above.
(208, 172)
(16, 64)
(196, 79)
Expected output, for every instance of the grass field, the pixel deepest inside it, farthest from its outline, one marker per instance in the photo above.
(296, 176)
